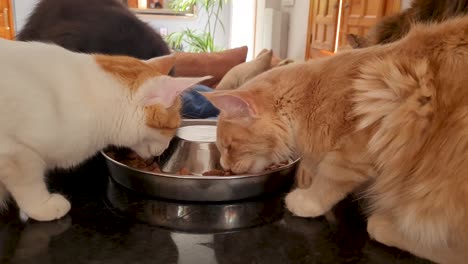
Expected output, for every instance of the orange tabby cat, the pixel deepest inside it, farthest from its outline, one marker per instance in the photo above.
(394, 116)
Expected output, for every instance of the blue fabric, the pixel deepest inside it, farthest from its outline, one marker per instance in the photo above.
(196, 106)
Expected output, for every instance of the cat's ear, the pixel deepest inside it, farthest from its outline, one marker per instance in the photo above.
(231, 104)
(163, 63)
(164, 90)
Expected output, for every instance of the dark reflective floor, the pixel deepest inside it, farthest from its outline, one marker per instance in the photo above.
(110, 224)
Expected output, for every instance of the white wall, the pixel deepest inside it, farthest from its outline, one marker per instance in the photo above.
(260, 14)
(243, 25)
(298, 20)
(297, 32)
(275, 4)
(22, 9)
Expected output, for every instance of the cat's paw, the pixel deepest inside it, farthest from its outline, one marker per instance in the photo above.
(54, 208)
(382, 230)
(301, 203)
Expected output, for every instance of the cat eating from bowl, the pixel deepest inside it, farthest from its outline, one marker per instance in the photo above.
(390, 117)
(59, 108)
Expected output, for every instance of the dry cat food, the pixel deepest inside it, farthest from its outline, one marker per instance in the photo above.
(277, 165)
(217, 173)
(184, 171)
(131, 159)
(230, 173)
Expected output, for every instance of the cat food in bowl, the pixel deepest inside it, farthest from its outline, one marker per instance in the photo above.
(189, 170)
(131, 159)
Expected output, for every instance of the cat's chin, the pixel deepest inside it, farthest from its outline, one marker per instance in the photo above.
(260, 165)
(253, 167)
(256, 170)
(144, 153)
(149, 151)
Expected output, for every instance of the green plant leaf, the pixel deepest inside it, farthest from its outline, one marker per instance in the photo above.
(198, 41)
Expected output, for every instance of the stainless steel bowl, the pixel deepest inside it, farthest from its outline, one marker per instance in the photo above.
(194, 217)
(194, 149)
(199, 188)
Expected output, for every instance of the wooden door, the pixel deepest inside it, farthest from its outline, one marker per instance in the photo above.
(6, 20)
(358, 16)
(324, 37)
(132, 3)
(323, 16)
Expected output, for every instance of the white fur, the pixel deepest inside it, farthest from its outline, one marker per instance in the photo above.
(59, 108)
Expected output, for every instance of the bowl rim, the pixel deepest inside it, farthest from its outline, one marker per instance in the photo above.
(199, 141)
(196, 177)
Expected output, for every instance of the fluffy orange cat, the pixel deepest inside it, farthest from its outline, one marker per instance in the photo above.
(394, 116)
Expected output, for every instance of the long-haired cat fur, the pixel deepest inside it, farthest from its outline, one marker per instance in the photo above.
(93, 26)
(59, 108)
(393, 28)
(393, 117)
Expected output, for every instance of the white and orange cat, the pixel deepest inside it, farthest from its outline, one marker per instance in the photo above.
(391, 117)
(59, 108)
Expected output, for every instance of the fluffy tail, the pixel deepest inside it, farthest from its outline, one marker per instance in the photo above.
(396, 100)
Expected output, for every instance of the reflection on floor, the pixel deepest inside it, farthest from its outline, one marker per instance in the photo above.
(110, 224)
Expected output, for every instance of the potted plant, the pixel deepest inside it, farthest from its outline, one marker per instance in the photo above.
(194, 40)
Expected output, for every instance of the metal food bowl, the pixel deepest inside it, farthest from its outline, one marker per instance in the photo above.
(193, 149)
(194, 217)
(198, 153)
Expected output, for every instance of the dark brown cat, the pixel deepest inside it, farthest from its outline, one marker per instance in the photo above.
(395, 27)
(93, 26)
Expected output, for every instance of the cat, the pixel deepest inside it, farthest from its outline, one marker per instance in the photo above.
(391, 119)
(393, 28)
(59, 108)
(93, 26)
(105, 27)
(243, 72)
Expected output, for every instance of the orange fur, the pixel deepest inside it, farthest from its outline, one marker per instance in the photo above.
(133, 73)
(167, 120)
(394, 116)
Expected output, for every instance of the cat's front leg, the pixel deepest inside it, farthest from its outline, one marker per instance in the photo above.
(23, 176)
(305, 172)
(336, 176)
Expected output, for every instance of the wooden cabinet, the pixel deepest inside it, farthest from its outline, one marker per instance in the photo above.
(325, 15)
(6, 19)
(331, 20)
(358, 16)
